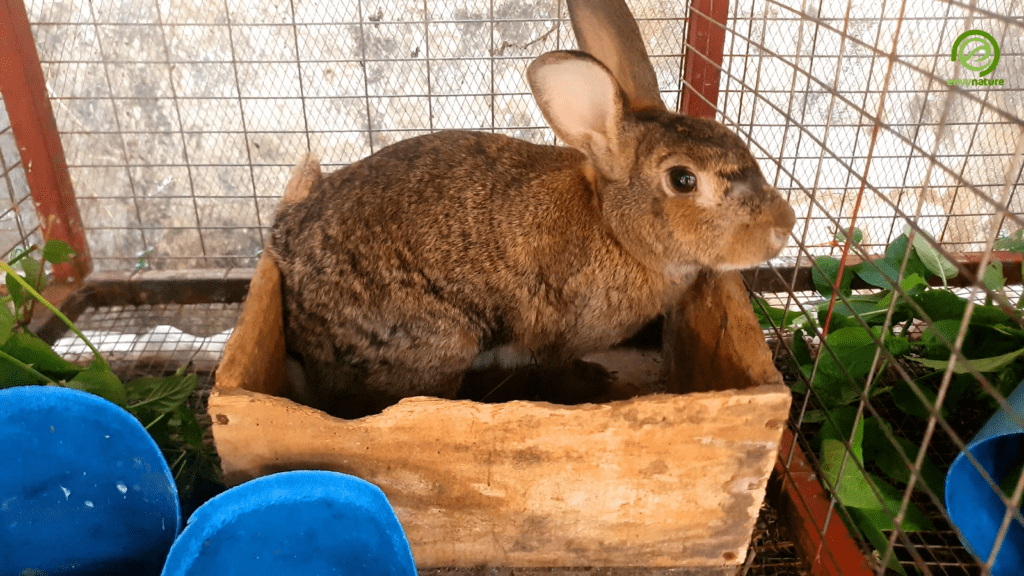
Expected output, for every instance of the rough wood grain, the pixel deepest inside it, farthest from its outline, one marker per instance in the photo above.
(712, 340)
(662, 480)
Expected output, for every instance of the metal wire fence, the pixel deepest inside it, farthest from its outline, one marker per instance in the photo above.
(906, 178)
(181, 120)
(19, 226)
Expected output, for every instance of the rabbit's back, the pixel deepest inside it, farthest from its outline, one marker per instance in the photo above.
(406, 265)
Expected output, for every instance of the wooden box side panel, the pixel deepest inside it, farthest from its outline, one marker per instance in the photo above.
(712, 339)
(655, 481)
(254, 357)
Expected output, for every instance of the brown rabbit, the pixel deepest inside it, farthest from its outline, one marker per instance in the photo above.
(465, 250)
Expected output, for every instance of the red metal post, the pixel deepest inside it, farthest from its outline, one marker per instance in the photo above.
(35, 131)
(705, 42)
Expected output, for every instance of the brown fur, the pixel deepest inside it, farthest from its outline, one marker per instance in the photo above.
(402, 270)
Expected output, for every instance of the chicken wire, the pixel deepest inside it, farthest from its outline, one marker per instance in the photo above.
(850, 108)
(181, 119)
(19, 226)
(844, 96)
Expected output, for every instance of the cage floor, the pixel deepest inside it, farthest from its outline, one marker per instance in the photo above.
(158, 339)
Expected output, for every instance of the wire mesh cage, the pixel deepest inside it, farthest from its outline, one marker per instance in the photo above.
(191, 114)
(19, 226)
(905, 167)
(895, 133)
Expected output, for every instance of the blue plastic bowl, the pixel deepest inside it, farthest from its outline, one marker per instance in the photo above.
(973, 505)
(84, 489)
(303, 522)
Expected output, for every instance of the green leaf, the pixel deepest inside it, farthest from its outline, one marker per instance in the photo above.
(101, 382)
(769, 316)
(863, 305)
(34, 273)
(1009, 331)
(912, 285)
(801, 351)
(989, 316)
(6, 323)
(1009, 482)
(879, 448)
(801, 360)
(839, 426)
(895, 252)
(12, 375)
(16, 291)
(871, 524)
(898, 346)
(30, 349)
(854, 351)
(162, 395)
(839, 320)
(813, 416)
(857, 488)
(835, 391)
(937, 334)
(824, 275)
(962, 366)
(941, 304)
(841, 372)
(880, 273)
(839, 464)
(910, 403)
(935, 262)
(958, 386)
(858, 235)
(190, 429)
(57, 252)
(1012, 243)
(993, 278)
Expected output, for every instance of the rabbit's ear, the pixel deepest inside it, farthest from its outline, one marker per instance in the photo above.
(606, 29)
(583, 104)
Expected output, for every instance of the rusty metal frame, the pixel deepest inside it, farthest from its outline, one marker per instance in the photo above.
(35, 131)
(704, 50)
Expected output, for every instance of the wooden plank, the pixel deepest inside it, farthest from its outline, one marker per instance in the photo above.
(661, 480)
(712, 340)
(168, 287)
(35, 131)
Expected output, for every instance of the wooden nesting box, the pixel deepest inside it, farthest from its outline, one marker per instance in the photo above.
(656, 481)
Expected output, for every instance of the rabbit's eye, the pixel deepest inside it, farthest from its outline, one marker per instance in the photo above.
(682, 180)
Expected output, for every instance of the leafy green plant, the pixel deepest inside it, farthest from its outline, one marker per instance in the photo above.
(872, 336)
(160, 404)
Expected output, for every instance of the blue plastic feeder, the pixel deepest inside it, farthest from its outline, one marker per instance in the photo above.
(302, 523)
(974, 506)
(84, 489)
